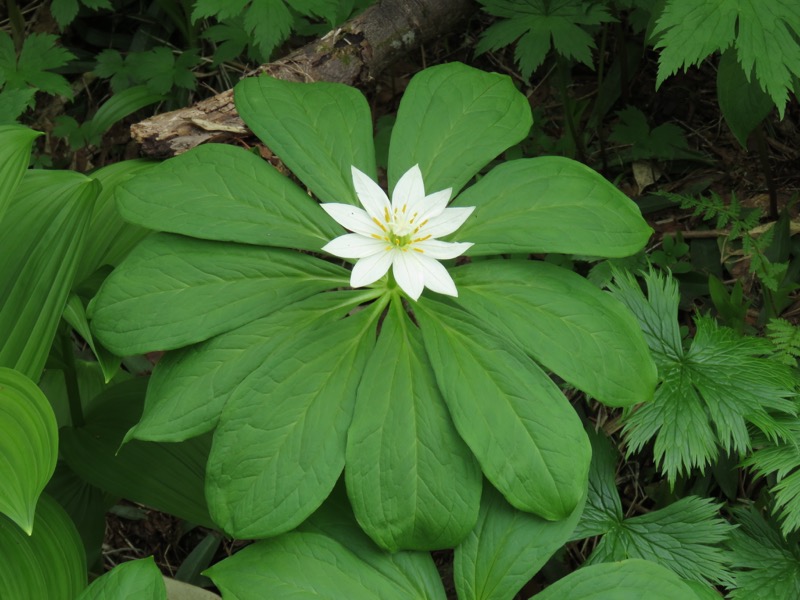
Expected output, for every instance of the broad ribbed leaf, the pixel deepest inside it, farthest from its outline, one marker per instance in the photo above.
(220, 192)
(506, 548)
(583, 334)
(173, 291)
(42, 235)
(28, 446)
(168, 477)
(413, 482)
(15, 153)
(550, 204)
(190, 386)
(320, 130)
(110, 237)
(48, 564)
(526, 436)
(302, 565)
(414, 572)
(627, 580)
(138, 579)
(280, 445)
(452, 121)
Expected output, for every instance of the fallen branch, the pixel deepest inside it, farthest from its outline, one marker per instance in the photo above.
(353, 54)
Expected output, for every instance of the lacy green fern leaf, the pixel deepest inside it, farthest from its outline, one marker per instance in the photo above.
(686, 536)
(768, 566)
(763, 32)
(786, 339)
(534, 23)
(709, 392)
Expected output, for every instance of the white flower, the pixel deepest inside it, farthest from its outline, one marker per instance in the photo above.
(400, 234)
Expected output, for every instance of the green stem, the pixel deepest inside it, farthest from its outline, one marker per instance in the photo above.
(17, 24)
(563, 78)
(763, 158)
(71, 379)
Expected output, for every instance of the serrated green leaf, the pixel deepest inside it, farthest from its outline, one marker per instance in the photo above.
(173, 291)
(550, 204)
(15, 153)
(168, 477)
(15, 102)
(413, 482)
(190, 387)
(685, 537)
(744, 105)
(64, 11)
(506, 549)
(452, 121)
(39, 54)
(665, 142)
(515, 420)
(50, 563)
(320, 130)
(139, 579)
(603, 509)
(767, 565)
(536, 23)
(43, 235)
(627, 580)
(220, 192)
(565, 323)
(709, 392)
(28, 446)
(280, 444)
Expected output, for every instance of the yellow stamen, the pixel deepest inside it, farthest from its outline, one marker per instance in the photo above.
(420, 250)
(421, 239)
(379, 224)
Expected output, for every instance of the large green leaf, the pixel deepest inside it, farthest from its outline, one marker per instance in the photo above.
(550, 204)
(43, 235)
(526, 436)
(110, 237)
(220, 192)
(742, 101)
(413, 482)
(320, 130)
(28, 446)
(414, 572)
(280, 445)
(302, 565)
(168, 477)
(452, 121)
(139, 579)
(190, 386)
(627, 580)
(506, 548)
(48, 564)
(583, 334)
(15, 153)
(173, 291)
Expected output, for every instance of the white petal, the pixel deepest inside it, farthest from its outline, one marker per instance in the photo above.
(352, 218)
(409, 274)
(370, 194)
(434, 204)
(436, 277)
(354, 245)
(446, 223)
(409, 190)
(370, 269)
(441, 250)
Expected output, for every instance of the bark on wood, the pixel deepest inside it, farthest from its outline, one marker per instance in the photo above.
(353, 54)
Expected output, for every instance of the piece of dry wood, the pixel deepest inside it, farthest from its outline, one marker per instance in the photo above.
(353, 54)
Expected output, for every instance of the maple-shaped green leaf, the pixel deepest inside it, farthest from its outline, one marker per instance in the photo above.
(65, 11)
(764, 33)
(269, 22)
(161, 70)
(767, 564)
(32, 67)
(709, 392)
(13, 103)
(665, 142)
(538, 25)
(685, 536)
(112, 65)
